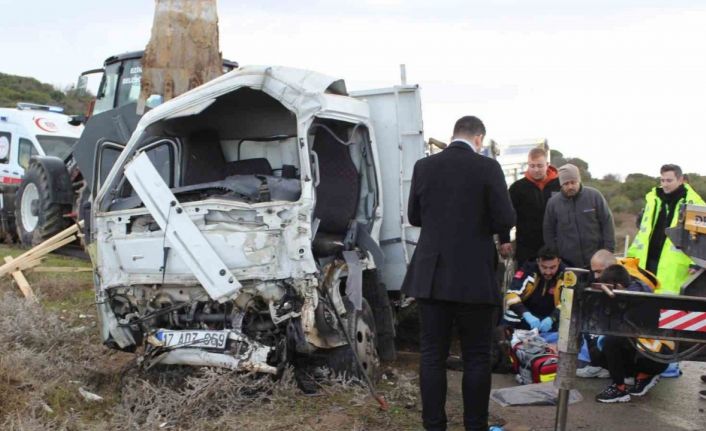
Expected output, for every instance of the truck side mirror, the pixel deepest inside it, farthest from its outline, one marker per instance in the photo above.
(77, 120)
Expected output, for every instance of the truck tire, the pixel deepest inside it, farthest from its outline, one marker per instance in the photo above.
(360, 326)
(36, 216)
(375, 293)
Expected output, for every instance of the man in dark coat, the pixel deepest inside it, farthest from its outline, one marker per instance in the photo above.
(529, 197)
(459, 199)
(577, 221)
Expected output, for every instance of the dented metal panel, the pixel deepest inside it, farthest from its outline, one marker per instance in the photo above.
(396, 114)
(181, 232)
(253, 256)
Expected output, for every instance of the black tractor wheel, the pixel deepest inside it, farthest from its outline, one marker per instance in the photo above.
(36, 216)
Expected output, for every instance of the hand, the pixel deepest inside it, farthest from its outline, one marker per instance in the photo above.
(531, 320)
(546, 324)
(506, 250)
(600, 342)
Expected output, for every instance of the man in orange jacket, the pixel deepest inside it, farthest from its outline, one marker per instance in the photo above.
(529, 197)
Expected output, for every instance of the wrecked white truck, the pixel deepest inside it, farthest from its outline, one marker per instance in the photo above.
(243, 224)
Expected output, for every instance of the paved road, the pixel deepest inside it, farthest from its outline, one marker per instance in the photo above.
(673, 405)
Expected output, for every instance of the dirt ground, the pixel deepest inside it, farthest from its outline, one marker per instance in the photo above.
(51, 352)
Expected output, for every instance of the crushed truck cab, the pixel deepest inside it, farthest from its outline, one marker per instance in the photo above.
(242, 219)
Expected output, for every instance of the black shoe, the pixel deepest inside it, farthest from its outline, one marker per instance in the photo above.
(613, 394)
(642, 386)
(702, 394)
(703, 378)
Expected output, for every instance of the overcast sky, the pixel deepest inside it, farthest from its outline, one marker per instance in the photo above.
(621, 84)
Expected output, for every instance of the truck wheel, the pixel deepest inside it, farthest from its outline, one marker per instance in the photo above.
(375, 293)
(36, 217)
(360, 326)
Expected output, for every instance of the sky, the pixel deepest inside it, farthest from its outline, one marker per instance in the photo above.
(618, 83)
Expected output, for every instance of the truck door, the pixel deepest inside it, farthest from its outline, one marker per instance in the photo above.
(396, 114)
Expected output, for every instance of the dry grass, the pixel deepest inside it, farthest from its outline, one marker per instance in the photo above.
(625, 225)
(52, 349)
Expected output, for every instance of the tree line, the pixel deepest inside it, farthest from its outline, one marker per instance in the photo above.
(15, 89)
(626, 196)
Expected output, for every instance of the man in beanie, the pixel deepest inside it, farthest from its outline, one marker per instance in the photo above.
(577, 221)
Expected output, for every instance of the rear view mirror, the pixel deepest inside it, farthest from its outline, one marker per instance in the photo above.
(77, 120)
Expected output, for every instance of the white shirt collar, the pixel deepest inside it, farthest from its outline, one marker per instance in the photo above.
(465, 142)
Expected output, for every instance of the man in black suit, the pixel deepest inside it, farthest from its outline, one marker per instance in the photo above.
(459, 199)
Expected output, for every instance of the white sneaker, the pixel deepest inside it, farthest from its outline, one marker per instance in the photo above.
(589, 372)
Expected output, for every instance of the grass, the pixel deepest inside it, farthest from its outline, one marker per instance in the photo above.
(53, 348)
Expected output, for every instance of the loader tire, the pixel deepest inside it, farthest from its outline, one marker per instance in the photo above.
(36, 216)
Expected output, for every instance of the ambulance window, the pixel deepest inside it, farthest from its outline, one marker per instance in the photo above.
(26, 151)
(5, 139)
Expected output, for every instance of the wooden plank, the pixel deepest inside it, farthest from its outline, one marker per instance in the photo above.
(61, 269)
(69, 231)
(24, 264)
(4, 269)
(22, 282)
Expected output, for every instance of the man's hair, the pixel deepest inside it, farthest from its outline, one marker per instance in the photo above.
(537, 152)
(469, 126)
(547, 253)
(605, 257)
(615, 274)
(671, 168)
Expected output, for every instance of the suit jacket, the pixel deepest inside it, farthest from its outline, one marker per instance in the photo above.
(459, 199)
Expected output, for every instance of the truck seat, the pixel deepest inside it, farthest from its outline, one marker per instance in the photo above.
(337, 193)
(258, 166)
(203, 159)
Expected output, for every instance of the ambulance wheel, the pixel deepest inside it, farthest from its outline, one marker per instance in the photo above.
(36, 216)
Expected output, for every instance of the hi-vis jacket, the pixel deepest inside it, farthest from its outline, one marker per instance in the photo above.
(524, 285)
(632, 265)
(673, 267)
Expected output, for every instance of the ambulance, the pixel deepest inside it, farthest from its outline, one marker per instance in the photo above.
(25, 131)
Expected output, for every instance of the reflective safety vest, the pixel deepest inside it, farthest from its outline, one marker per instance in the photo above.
(632, 264)
(673, 266)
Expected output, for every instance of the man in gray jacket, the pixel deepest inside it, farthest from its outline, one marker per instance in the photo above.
(577, 221)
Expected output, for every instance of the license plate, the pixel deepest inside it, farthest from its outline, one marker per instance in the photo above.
(196, 338)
